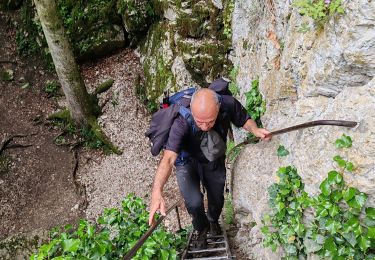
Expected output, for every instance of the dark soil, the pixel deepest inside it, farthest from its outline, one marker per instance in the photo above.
(37, 190)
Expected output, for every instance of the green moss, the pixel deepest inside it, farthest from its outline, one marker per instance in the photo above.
(4, 164)
(88, 24)
(156, 66)
(157, 78)
(12, 247)
(204, 59)
(92, 134)
(195, 24)
(137, 14)
(227, 19)
(103, 87)
(62, 115)
(228, 209)
(95, 138)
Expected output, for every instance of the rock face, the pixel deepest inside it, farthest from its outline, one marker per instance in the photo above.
(186, 47)
(323, 73)
(137, 15)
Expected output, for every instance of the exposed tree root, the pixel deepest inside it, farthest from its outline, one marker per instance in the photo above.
(5, 143)
(79, 187)
(102, 137)
(12, 146)
(8, 61)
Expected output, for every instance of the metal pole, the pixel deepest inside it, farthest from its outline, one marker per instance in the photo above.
(178, 219)
(141, 241)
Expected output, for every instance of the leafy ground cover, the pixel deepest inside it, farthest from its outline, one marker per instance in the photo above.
(342, 227)
(114, 234)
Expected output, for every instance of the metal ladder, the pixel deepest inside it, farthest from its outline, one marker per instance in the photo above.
(217, 247)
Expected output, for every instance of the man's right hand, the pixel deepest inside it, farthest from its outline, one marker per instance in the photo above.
(157, 203)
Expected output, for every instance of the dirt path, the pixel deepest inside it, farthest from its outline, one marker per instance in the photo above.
(36, 184)
(37, 190)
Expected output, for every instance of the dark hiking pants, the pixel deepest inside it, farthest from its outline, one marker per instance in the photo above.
(213, 176)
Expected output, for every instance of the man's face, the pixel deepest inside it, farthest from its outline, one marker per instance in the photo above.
(206, 120)
(205, 108)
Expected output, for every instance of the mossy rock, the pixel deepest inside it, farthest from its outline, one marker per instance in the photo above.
(137, 15)
(158, 60)
(204, 59)
(10, 4)
(103, 42)
(94, 28)
(196, 35)
(202, 20)
(21, 246)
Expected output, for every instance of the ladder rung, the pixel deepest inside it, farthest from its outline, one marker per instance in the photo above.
(215, 242)
(220, 236)
(212, 257)
(208, 250)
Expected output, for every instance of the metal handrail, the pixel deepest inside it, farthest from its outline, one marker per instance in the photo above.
(293, 128)
(142, 240)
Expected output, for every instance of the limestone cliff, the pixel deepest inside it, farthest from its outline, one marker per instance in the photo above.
(306, 71)
(187, 46)
(317, 73)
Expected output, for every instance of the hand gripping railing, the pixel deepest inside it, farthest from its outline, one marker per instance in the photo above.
(141, 241)
(296, 127)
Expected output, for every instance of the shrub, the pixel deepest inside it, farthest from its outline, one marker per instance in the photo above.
(255, 105)
(319, 10)
(112, 237)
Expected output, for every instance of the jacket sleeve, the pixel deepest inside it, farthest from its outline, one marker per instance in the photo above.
(179, 131)
(238, 114)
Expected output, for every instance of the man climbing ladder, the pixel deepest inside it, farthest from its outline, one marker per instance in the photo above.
(196, 146)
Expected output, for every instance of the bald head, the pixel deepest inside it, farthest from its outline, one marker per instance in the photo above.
(205, 108)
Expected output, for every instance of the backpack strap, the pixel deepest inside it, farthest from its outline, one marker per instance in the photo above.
(186, 113)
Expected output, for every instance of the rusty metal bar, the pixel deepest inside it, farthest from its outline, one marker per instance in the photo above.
(141, 241)
(178, 218)
(315, 123)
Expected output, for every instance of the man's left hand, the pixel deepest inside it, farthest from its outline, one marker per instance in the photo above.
(263, 134)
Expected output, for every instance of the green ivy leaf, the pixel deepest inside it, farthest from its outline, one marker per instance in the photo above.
(349, 166)
(364, 243)
(370, 212)
(333, 211)
(325, 187)
(344, 142)
(323, 213)
(280, 206)
(350, 237)
(164, 254)
(349, 193)
(332, 226)
(70, 245)
(281, 151)
(330, 246)
(334, 177)
(358, 201)
(340, 161)
(369, 222)
(311, 246)
(337, 195)
(290, 249)
(371, 232)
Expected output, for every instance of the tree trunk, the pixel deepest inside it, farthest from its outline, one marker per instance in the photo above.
(79, 104)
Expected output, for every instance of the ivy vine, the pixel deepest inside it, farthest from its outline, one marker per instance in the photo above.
(115, 234)
(341, 226)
